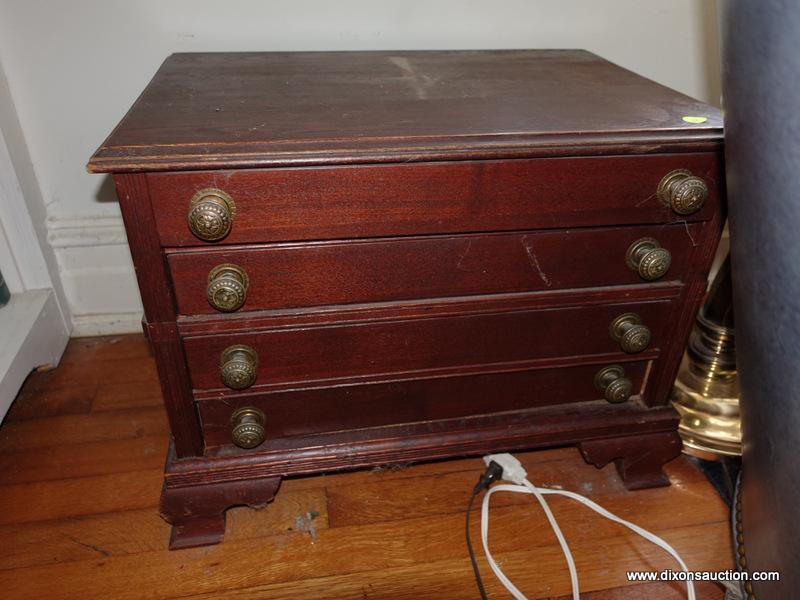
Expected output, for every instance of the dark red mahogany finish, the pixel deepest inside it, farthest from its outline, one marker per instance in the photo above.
(404, 400)
(435, 244)
(443, 197)
(290, 275)
(479, 334)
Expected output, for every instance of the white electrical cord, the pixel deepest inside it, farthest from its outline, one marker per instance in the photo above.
(513, 471)
(573, 573)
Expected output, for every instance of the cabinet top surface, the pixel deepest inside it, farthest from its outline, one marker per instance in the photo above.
(238, 110)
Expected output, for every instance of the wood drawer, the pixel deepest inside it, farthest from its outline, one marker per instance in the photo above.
(321, 410)
(428, 198)
(433, 342)
(344, 272)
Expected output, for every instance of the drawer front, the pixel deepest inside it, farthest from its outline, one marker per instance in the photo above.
(429, 198)
(303, 412)
(324, 273)
(452, 344)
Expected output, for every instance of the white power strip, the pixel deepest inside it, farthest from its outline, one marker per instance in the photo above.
(515, 473)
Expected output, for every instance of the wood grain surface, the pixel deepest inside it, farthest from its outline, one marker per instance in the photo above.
(435, 343)
(256, 109)
(432, 198)
(297, 412)
(79, 491)
(389, 269)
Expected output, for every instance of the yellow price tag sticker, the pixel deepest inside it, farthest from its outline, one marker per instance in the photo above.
(694, 120)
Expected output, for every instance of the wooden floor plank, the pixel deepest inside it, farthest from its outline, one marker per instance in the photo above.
(118, 370)
(392, 569)
(292, 556)
(98, 349)
(79, 429)
(131, 532)
(72, 400)
(374, 502)
(121, 396)
(67, 498)
(452, 580)
(84, 460)
(125, 493)
(705, 590)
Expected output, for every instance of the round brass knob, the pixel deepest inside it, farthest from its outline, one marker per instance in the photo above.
(238, 367)
(648, 258)
(227, 287)
(683, 192)
(211, 213)
(612, 382)
(247, 427)
(631, 334)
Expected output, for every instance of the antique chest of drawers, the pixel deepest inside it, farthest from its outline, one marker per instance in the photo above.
(353, 259)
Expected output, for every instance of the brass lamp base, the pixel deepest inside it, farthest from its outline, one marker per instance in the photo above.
(706, 392)
(708, 403)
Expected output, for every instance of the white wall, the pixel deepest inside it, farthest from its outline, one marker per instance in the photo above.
(75, 67)
(34, 325)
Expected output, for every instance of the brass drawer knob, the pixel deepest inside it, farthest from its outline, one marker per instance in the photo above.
(683, 192)
(211, 213)
(631, 334)
(238, 367)
(648, 258)
(227, 287)
(612, 382)
(247, 427)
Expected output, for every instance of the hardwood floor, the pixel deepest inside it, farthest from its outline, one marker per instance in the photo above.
(81, 454)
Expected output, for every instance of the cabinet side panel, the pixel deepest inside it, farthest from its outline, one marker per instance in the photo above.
(155, 287)
(140, 226)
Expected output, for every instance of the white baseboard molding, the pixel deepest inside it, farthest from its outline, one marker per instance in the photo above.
(97, 274)
(106, 324)
(71, 232)
(34, 335)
